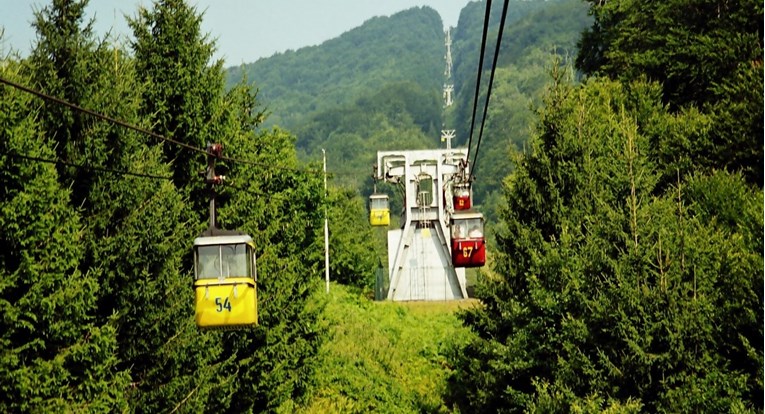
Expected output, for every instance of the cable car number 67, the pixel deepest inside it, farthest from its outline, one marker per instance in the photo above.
(222, 305)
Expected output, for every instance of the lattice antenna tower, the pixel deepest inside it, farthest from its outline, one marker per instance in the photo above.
(448, 71)
(448, 85)
(447, 135)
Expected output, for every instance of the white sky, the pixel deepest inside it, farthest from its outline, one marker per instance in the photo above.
(245, 30)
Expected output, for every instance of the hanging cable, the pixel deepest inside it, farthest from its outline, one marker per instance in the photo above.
(478, 82)
(147, 132)
(491, 81)
(85, 167)
(224, 184)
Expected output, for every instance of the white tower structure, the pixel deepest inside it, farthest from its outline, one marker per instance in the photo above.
(448, 71)
(448, 86)
(448, 135)
(448, 92)
(419, 253)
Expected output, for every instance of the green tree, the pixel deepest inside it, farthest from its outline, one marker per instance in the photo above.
(353, 256)
(182, 87)
(613, 290)
(137, 232)
(55, 354)
(706, 55)
(281, 207)
(64, 64)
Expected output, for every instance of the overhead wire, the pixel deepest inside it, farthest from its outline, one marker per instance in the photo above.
(491, 82)
(478, 81)
(224, 183)
(144, 131)
(85, 167)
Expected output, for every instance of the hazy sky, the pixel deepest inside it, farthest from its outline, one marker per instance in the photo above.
(245, 30)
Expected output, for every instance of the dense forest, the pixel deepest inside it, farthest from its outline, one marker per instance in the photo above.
(621, 173)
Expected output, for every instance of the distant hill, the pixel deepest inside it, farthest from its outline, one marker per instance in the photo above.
(535, 32)
(379, 86)
(405, 47)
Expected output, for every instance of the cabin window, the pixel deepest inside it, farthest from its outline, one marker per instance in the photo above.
(227, 260)
(378, 203)
(462, 191)
(467, 228)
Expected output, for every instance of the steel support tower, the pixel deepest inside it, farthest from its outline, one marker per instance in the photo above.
(419, 253)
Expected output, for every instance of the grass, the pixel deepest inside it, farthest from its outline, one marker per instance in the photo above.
(384, 356)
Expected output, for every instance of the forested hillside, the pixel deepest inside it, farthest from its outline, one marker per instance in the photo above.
(375, 87)
(405, 47)
(379, 86)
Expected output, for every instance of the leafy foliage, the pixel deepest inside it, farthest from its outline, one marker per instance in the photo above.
(706, 55)
(354, 255)
(281, 206)
(628, 275)
(612, 290)
(55, 355)
(383, 356)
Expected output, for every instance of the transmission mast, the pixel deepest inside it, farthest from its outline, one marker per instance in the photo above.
(448, 85)
(447, 135)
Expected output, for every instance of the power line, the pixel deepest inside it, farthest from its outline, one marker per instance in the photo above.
(224, 183)
(491, 81)
(478, 82)
(147, 132)
(98, 115)
(86, 167)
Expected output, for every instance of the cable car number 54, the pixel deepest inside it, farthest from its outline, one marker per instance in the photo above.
(222, 303)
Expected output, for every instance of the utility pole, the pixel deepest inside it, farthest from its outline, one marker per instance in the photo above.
(326, 224)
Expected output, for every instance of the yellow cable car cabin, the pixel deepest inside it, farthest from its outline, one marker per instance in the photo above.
(225, 285)
(379, 210)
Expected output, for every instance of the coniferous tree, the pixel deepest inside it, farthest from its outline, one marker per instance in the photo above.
(185, 98)
(56, 355)
(137, 230)
(140, 231)
(281, 206)
(173, 59)
(706, 55)
(614, 291)
(61, 65)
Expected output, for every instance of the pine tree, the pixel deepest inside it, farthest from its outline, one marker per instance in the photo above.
(173, 60)
(615, 290)
(61, 65)
(140, 230)
(278, 206)
(56, 355)
(281, 207)
(706, 55)
(137, 233)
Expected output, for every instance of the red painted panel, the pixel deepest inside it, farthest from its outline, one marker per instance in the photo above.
(468, 252)
(462, 202)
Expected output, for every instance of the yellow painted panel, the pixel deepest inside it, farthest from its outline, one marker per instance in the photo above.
(230, 303)
(379, 217)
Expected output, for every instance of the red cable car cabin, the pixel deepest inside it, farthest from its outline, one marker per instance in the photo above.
(461, 196)
(468, 243)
